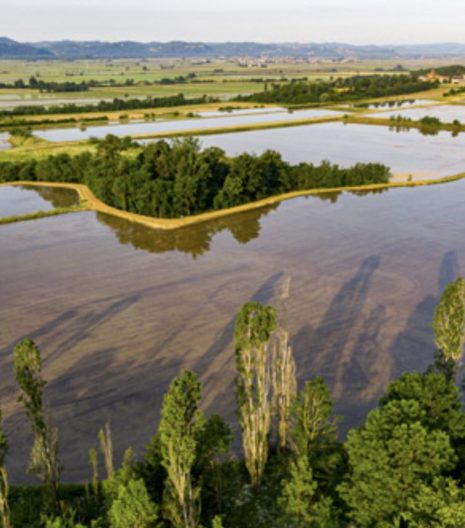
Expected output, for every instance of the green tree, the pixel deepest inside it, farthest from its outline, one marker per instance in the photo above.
(212, 462)
(254, 325)
(4, 487)
(44, 456)
(441, 505)
(132, 507)
(449, 326)
(180, 426)
(298, 503)
(391, 458)
(283, 385)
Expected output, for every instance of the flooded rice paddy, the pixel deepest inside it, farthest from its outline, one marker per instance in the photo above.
(446, 113)
(119, 309)
(4, 143)
(405, 152)
(400, 104)
(228, 120)
(19, 200)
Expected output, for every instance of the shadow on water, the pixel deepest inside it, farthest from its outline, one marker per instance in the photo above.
(224, 393)
(95, 390)
(328, 350)
(102, 386)
(81, 325)
(327, 342)
(413, 349)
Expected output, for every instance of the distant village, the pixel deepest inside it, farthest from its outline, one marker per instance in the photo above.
(433, 76)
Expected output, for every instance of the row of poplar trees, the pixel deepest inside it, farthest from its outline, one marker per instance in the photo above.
(405, 467)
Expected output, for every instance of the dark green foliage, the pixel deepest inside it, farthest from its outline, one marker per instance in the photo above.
(438, 398)
(390, 459)
(176, 179)
(404, 468)
(3, 443)
(132, 507)
(181, 427)
(107, 106)
(254, 325)
(449, 326)
(341, 89)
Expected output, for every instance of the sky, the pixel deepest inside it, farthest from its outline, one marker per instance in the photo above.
(350, 21)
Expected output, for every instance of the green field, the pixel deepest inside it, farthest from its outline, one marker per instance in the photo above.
(222, 78)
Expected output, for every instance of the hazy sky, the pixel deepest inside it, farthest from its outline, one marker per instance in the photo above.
(354, 21)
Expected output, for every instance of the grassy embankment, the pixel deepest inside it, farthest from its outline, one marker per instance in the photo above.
(87, 201)
(39, 148)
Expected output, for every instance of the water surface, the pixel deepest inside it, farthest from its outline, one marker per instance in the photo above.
(399, 104)
(76, 134)
(119, 309)
(406, 152)
(446, 113)
(19, 200)
(4, 143)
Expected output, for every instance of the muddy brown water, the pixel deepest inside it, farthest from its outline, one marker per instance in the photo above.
(119, 309)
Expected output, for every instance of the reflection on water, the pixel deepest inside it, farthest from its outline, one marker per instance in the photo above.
(400, 103)
(159, 127)
(407, 152)
(446, 113)
(194, 240)
(22, 199)
(58, 197)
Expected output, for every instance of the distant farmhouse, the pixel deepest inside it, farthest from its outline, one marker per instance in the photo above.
(432, 76)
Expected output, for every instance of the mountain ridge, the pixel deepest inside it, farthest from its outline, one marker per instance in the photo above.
(129, 49)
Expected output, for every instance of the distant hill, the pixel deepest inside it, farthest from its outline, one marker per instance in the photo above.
(69, 49)
(10, 49)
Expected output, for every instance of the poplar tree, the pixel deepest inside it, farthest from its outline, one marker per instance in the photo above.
(106, 447)
(132, 507)
(449, 327)
(180, 427)
(44, 456)
(284, 385)
(4, 487)
(299, 506)
(312, 417)
(254, 326)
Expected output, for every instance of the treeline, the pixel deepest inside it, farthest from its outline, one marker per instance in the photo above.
(66, 86)
(176, 179)
(14, 124)
(49, 86)
(341, 89)
(404, 467)
(108, 106)
(446, 71)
